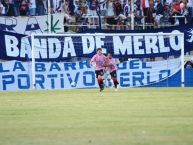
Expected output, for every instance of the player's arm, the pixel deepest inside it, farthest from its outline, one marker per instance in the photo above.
(93, 59)
(108, 65)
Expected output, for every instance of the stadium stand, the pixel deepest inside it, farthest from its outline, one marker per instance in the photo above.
(115, 14)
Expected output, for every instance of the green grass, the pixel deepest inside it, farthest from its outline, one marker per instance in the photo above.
(147, 116)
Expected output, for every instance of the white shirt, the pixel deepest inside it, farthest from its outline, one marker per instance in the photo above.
(3, 9)
(110, 10)
(33, 4)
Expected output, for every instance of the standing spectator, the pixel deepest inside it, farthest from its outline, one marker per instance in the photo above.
(32, 7)
(183, 12)
(84, 8)
(16, 4)
(93, 9)
(76, 8)
(110, 8)
(57, 6)
(40, 10)
(102, 5)
(23, 8)
(127, 8)
(120, 18)
(110, 14)
(71, 7)
(150, 19)
(138, 13)
(145, 7)
(175, 11)
(159, 12)
(3, 10)
(45, 6)
(10, 11)
(1, 7)
(190, 10)
(118, 8)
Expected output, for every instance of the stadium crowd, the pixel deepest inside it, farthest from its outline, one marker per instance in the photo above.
(115, 12)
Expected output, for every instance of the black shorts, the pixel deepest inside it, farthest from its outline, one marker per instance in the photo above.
(99, 73)
(113, 74)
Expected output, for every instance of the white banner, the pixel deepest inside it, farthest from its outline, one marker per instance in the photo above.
(60, 47)
(16, 75)
(36, 24)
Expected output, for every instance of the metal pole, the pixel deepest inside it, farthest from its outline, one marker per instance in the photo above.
(49, 17)
(182, 60)
(99, 15)
(132, 14)
(33, 62)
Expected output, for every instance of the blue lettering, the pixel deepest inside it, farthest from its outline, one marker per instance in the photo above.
(164, 74)
(18, 66)
(40, 67)
(40, 80)
(138, 77)
(26, 81)
(124, 79)
(1, 68)
(55, 66)
(62, 80)
(84, 63)
(73, 80)
(134, 64)
(89, 78)
(7, 79)
(122, 66)
(144, 65)
(52, 77)
(71, 65)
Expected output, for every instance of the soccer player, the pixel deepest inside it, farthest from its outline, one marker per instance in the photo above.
(111, 65)
(100, 60)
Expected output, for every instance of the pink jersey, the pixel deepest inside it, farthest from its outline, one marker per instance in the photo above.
(99, 60)
(113, 64)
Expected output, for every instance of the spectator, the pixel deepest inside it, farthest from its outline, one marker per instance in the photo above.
(1, 7)
(77, 11)
(23, 8)
(83, 8)
(150, 19)
(40, 10)
(32, 7)
(16, 4)
(3, 10)
(118, 8)
(71, 7)
(138, 13)
(183, 12)
(145, 7)
(93, 8)
(127, 8)
(175, 11)
(190, 10)
(102, 5)
(45, 6)
(159, 12)
(110, 14)
(10, 10)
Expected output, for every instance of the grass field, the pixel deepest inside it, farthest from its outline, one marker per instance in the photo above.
(148, 116)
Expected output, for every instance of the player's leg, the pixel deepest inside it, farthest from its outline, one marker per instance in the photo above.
(114, 78)
(106, 78)
(99, 75)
